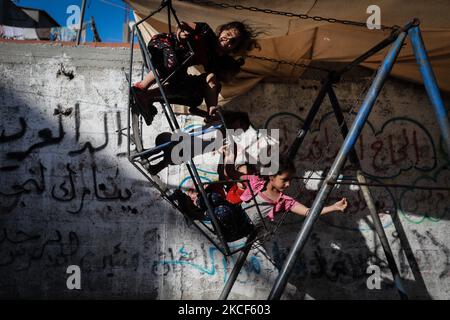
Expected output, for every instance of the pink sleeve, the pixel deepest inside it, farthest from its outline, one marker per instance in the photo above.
(285, 204)
(256, 184)
(288, 202)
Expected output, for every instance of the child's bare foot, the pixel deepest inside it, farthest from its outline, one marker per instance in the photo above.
(143, 104)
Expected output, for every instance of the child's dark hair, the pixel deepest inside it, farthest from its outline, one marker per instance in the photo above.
(247, 38)
(228, 67)
(284, 165)
(251, 168)
(236, 120)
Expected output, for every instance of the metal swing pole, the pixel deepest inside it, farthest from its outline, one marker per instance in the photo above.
(293, 149)
(378, 47)
(237, 267)
(145, 54)
(338, 163)
(431, 86)
(353, 157)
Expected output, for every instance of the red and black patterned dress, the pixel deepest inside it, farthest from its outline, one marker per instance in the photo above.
(168, 53)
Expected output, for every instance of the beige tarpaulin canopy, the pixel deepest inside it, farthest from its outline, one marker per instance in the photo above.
(305, 40)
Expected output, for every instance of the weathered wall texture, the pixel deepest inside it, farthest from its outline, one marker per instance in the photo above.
(69, 196)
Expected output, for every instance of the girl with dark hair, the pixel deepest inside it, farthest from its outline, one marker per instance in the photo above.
(268, 192)
(212, 51)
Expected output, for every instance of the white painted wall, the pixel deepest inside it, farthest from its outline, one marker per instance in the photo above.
(70, 196)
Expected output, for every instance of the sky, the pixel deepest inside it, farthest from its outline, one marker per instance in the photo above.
(109, 15)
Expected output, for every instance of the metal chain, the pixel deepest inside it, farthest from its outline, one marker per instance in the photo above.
(301, 65)
(287, 14)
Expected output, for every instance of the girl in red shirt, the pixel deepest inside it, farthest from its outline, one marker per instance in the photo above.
(237, 189)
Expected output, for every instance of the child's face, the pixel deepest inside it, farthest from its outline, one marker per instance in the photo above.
(193, 194)
(281, 181)
(243, 169)
(228, 40)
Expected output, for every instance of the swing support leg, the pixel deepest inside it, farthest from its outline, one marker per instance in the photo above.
(382, 235)
(309, 119)
(431, 87)
(237, 268)
(353, 157)
(338, 163)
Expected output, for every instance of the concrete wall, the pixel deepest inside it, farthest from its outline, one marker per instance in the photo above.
(69, 196)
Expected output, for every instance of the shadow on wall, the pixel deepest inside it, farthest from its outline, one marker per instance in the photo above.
(69, 196)
(334, 263)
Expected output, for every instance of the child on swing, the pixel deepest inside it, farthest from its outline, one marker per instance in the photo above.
(211, 50)
(269, 191)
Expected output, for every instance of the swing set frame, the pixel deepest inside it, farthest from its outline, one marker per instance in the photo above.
(139, 159)
(350, 135)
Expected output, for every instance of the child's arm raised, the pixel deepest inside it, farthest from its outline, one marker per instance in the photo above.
(302, 210)
(228, 162)
(185, 29)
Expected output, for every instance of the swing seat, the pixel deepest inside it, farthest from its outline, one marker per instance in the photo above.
(186, 205)
(142, 102)
(163, 149)
(233, 221)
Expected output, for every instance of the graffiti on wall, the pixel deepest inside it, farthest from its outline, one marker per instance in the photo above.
(79, 178)
(173, 260)
(395, 149)
(71, 183)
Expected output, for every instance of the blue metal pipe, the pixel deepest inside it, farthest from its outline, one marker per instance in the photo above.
(338, 163)
(431, 86)
(301, 134)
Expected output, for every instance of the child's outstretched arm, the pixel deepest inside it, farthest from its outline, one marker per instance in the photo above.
(302, 210)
